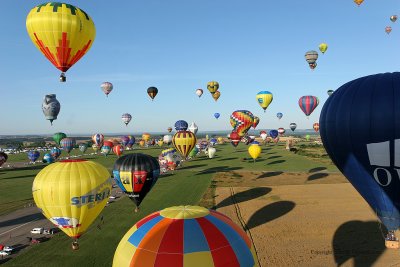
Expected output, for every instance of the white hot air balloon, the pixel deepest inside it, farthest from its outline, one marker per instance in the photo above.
(211, 152)
(193, 128)
(264, 136)
(199, 92)
(167, 139)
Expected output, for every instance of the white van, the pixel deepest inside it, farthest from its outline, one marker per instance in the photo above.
(37, 231)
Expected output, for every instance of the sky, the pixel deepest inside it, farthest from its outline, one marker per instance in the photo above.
(179, 46)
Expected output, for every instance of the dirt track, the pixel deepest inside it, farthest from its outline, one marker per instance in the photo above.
(322, 222)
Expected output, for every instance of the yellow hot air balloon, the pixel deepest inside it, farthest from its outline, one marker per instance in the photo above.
(146, 137)
(184, 142)
(220, 140)
(216, 95)
(212, 86)
(254, 151)
(264, 98)
(160, 143)
(62, 32)
(71, 194)
(358, 2)
(142, 143)
(323, 47)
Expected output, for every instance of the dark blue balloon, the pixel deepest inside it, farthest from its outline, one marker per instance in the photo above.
(360, 129)
(33, 155)
(132, 141)
(273, 133)
(181, 125)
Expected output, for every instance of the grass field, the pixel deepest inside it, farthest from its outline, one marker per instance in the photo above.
(188, 185)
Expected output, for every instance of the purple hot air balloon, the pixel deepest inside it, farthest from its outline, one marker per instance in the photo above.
(125, 140)
(308, 103)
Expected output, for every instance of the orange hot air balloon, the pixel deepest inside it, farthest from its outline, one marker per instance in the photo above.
(146, 137)
(358, 2)
(118, 150)
(316, 126)
(216, 95)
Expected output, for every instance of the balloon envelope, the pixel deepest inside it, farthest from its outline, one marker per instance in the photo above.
(193, 128)
(264, 98)
(152, 92)
(241, 121)
(211, 152)
(213, 86)
(254, 151)
(293, 126)
(279, 115)
(67, 144)
(33, 155)
(106, 87)
(55, 152)
(216, 115)
(199, 92)
(184, 141)
(181, 125)
(308, 103)
(273, 133)
(57, 137)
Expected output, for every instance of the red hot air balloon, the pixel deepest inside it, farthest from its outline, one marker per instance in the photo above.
(316, 126)
(118, 150)
(235, 138)
(308, 103)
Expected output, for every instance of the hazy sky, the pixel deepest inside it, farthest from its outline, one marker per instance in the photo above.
(178, 46)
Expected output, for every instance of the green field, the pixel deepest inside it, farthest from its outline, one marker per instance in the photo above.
(186, 186)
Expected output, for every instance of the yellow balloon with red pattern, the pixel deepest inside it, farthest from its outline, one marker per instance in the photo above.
(62, 32)
(184, 142)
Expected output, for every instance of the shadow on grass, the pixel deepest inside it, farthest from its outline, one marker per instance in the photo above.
(275, 157)
(269, 174)
(361, 241)
(21, 220)
(317, 169)
(193, 166)
(166, 175)
(244, 196)
(270, 153)
(218, 169)
(276, 162)
(317, 176)
(4, 260)
(225, 159)
(269, 213)
(32, 167)
(17, 177)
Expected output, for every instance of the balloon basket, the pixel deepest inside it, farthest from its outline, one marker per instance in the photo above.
(392, 244)
(75, 245)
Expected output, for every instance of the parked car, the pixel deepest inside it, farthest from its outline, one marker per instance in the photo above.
(37, 231)
(4, 253)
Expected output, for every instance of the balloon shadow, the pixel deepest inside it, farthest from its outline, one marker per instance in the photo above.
(269, 174)
(270, 153)
(317, 176)
(362, 241)
(275, 157)
(33, 167)
(218, 169)
(225, 159)
(244, 196)
(276, 162)
(17, 177)
(269, 213)
(193, 166)
(317, 169)
(23, 219)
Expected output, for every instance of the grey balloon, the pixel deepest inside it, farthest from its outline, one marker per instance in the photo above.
(51, 107)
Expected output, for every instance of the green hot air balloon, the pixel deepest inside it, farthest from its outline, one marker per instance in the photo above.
(58, 136)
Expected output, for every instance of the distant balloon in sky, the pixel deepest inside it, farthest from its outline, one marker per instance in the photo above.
(293, 126)
(107, 87)
(358, 2)
(199, 92)
(63, 33)
(316, 126)
(330, 92)
(311, 58)
(393, 18)
(50, 107)
(388, 29)
(126, 118)
(256, 121)
(323, 47)
(169, 129)
(193, 127)
(152, 92)
(308, 103)
(181, 125)
(216, 115)
(279, 115)
(216, 95)
(264, 98)
(213, 86)
(241, 121)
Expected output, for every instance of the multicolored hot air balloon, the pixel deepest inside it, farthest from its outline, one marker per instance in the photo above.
(3, 158)
(193, 128)
(152, 92)
(388, 29)
(311, 58)
(308, 104)
(33, 155)
(51, 107)
(185, 236)
(48, 158)
(316, 126)
(213, 86)
(273, 133)
(360, 130)
(126, 118)
(323, 47)
(98, 139)
(83, 147)
(106, 148)
(181, 125)
(125, 140)
(67, 144)
(136, 174)
(216, 115)
(118, 150)
(57, 137)
(393, 18)
(235, 138)
(81, 188)
(264, 98)
(241, 121)
(55, 152)
(72, 33)
(254, 151)
(199, 92)
(184, 141)
(216, 95)
(256, 121)
(279, 115)
(358, 2)
(106, 87)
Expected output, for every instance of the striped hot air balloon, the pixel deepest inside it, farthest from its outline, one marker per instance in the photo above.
(126, 118)
(316, 126)
(98, 139)
(184, 141)
(185, 236)
(308, 103)
(67, 144)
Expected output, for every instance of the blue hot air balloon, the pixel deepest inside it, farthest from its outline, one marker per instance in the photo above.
(33, 155)
(279, 115)
(360, 129)
(48, 158)
(55, 152)
(273, 133)
(125, 140)
(216, 115)
(181, 125)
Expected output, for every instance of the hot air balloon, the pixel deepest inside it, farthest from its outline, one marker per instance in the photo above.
(235, 138)
(71, 194)
(184, 141)
(125, 140)
(213, 141)
(168, 151)
(57, 137)
(136, 174)
(131, 141)
(254, 151)
(393, 18)
(308, 104)
(263, 135)
(264, 98)
(95, 148)
(33, 155)
(388, 29)
(55, 152)
(50, 107)
(216, 115)
(106, 87)
(142, 143)
(207, 238)
(323, 47)
(169, 129)
(126, 118)
(358, 2)
(181, 125)
(241, 121)
(167, 139)
(212, 86)
(330, 92)
(308, 137)
(279, 115)
(256, 121)
(193, 128)
(48, 158)
(152, 92)
(216, 95)
(67, 144)
(273, 133)
(311, 58)
(293, 126)
(3, 158)
(98, 139)
(199, 92)
(62, 32)
(211, 152)
(316, 127)
(366, 148)
(220, 140)
(118, 150)
(146, 137)
(281, 131)
(83, 147)
(106, 148)
(194, 152)
(160, 142)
